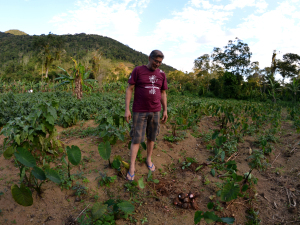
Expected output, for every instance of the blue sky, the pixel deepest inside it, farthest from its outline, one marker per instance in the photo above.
(182, 29)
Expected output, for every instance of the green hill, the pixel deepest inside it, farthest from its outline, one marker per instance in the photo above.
(20, 59)
(15, 32)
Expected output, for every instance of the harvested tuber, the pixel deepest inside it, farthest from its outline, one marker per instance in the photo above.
(186, 200)
(181, 196)
(176, 201)
(194, 195)
(186, 205)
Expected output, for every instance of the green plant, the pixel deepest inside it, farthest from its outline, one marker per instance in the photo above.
(144, 220)
(35, 131)
(26, 162)
(252, 217)
(105, 180)
(150, 178)
(104, 150)
(74, 157)
(79, 190)
(258, 160)
(107, 213)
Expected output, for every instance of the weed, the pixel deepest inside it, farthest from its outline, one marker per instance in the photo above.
(252, 217)
(79, 190)
(144, 220)
(258, 160)
(106, 180)
(85, 180)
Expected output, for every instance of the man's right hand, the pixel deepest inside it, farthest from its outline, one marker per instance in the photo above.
(127, 116)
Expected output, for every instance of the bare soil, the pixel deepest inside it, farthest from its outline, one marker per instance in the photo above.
(270, 197)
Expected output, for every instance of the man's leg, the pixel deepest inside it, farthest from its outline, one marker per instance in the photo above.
(150, 145)
(133, 152)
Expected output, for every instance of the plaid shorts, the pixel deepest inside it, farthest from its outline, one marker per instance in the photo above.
(144, 122)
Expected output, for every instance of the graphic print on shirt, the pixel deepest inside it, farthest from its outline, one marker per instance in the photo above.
(153, 80)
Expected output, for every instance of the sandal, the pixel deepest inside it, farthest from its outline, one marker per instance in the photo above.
(130, 176)
(150, 167)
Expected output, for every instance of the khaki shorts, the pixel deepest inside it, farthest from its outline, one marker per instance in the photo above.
(144, 122)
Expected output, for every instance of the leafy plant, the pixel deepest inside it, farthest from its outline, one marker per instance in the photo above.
(26, 162)
(106, 180)
(35, 131)
(258, 160)
(108, 212)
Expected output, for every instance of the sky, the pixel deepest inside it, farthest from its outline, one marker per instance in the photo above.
(183, 30)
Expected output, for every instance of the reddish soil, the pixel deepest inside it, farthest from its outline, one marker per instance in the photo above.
(269, 197)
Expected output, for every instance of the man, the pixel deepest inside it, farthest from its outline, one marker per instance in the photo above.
(150, 84)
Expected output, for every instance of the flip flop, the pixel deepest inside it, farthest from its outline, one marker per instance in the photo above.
(150, 167)
(130, 176)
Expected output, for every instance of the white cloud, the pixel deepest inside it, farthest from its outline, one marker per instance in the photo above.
(193, 30)
(107, 18)
(274, 30)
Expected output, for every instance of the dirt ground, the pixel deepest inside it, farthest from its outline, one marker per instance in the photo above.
(269, 197)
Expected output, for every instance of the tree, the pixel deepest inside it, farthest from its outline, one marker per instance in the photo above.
(78, 76)
(294, 87)
(206, 69)
(289, 66)
(50, 48)
(235, 57)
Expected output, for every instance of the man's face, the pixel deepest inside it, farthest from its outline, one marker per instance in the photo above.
(154, 63)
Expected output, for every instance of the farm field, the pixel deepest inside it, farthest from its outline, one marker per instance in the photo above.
(240, 156)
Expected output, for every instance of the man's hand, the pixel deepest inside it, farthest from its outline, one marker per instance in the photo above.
(165, 117)
(127, 116)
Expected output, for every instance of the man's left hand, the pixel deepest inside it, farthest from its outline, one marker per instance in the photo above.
(165, 117)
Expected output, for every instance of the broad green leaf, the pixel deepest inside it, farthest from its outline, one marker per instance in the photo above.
(74, 154)
(230, 192)
(17, 139)
(8, 153)
(22, 195)
(210, 205)
(144, 145)
(245, 187)
(219, 141)
(104, 150)
(25, 157)
(213, 172)
(222, 156)
(53, 176)
(116, 164)
(156, 181)
(238, 178)
(198, 216)
(129, 144)
(38, 173)
(98, 210)
(215, 135)
(210, 217)
(227, 220)
(50, 119)
(126, 207)
(141, 183)
(52, 111)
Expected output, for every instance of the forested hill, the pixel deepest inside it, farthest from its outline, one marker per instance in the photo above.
(20, 55)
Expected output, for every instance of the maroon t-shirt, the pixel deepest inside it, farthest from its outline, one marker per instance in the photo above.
(148, 86)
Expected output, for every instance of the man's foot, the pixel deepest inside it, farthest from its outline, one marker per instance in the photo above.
(151, 168)
(130, 177)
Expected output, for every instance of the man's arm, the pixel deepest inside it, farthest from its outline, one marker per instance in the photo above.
(164, 104)
(128, 95)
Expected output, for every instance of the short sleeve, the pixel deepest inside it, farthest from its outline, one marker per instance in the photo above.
(164, 84)
(133, 76)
